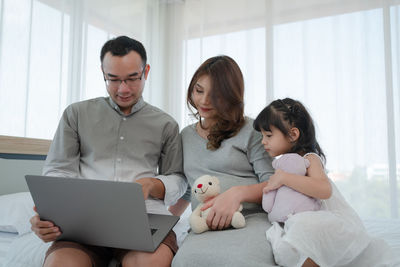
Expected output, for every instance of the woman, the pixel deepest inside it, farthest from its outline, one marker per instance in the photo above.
(224, 144)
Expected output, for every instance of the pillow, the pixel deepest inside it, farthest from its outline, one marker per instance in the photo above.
(15, 211)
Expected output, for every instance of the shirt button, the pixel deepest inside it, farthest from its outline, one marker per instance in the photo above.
(124, 119)
(122, 138)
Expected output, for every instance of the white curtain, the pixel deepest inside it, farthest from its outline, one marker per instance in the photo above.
(340, 58)
(50, 56)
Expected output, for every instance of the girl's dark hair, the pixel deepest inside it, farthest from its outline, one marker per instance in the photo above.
(121, 46)
(226, 97)
(285, 114)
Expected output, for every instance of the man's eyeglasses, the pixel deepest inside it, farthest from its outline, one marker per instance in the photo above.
(131, 82)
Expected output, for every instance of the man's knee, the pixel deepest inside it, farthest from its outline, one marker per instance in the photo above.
(161, 257)
(66, 257)
(309, 263)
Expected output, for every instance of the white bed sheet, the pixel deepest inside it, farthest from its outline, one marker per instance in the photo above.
(28, 250)
(5, 242)
(388, 230)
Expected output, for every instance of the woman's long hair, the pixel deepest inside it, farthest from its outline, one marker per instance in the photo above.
(227, 89)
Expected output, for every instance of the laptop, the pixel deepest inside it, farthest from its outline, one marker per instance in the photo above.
(98, 212)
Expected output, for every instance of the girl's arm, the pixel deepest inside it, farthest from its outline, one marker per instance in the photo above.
(314, 184)
(250, 193)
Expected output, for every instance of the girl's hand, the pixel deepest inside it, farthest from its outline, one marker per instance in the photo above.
(275, 181)
(222, 208)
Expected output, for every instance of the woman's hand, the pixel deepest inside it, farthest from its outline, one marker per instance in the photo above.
(222, 208)
(275, 181)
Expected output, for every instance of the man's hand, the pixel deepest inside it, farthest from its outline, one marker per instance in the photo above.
(152, 187)
(45, 230)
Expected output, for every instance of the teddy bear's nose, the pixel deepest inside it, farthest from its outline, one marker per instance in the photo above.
(199, 185)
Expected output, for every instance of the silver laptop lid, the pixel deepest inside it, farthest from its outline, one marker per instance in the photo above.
(97, 212)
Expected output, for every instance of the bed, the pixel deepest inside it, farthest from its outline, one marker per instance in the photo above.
(19, 247)
(6, 239)
(18, 156)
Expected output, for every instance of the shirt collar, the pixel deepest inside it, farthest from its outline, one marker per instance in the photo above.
(138, 106)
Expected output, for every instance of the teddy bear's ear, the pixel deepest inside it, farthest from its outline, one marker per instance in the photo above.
(216, 180)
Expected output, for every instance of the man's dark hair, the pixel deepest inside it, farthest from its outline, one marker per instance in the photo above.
(121, 46)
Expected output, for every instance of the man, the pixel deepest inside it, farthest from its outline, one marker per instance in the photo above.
(119, 138)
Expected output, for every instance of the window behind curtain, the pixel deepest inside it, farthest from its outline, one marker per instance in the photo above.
(336, 66)
(46, 84)
(94, 82)
(34, 56)
(247, 49)
(50, 56)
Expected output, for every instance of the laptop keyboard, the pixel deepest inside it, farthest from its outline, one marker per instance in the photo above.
(153, 231)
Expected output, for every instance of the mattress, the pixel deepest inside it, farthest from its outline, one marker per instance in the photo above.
(387, 229)
(28, 251)
(5, 242)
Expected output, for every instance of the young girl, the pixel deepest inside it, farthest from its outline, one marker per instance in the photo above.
(333, 236)
(288, 128)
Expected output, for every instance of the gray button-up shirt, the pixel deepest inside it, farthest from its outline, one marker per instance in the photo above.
(95, 140)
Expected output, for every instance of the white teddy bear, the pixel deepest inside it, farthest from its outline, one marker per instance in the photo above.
(204, 188)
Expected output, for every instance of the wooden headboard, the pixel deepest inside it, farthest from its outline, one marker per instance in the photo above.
(20, 156)
(10, 145)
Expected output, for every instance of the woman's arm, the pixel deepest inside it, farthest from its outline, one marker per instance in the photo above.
(225, 204)
(250, 193)
(314, 184)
